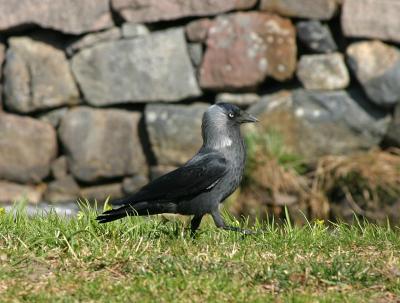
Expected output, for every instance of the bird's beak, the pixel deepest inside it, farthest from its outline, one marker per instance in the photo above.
(245, 117)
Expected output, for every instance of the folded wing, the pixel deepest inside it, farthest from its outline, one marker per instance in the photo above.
(200, 174)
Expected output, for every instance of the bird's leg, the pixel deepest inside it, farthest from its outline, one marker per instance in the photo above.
(194, 224)
(219, 222)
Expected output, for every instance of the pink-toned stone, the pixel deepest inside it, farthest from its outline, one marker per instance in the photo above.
(197, 30)
(244, 48)
(68, 16)
(159, 10)
(372, 19)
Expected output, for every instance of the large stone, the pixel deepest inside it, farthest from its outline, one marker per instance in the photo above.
(102, 143)
(101, 192)
(27, 147)
(62, 190)
(14, 192)
(94, 38)
(313, 9)
(372, 19)
(317, 123)
(140, 11)
(337, 122)
(165, 124)
(244, 48)
(149, 68)
(68, 16)
(377, 68)
(316, 36)
(37, 77)
(323, 72)
(393, 134)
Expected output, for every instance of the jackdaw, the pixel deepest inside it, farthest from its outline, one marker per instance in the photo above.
(199, 186)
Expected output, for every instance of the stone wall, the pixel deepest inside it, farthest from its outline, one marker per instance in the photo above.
(98, 96)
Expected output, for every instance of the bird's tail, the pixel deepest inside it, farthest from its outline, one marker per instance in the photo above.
(115, 214)
(138, 209)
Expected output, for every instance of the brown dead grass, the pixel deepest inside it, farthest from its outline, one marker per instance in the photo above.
(367, 183)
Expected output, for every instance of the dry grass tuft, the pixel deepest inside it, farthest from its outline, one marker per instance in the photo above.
(367, 183)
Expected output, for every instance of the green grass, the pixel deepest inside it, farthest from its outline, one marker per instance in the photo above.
(50, 258)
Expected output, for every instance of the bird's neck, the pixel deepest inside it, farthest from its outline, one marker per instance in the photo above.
(221, 139)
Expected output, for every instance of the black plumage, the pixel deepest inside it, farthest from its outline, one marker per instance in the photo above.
(198, 187)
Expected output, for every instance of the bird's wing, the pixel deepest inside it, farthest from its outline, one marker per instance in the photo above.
(200, 174)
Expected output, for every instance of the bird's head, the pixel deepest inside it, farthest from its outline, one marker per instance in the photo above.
(223, 120)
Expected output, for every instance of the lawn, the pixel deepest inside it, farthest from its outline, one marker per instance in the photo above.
(51, 258)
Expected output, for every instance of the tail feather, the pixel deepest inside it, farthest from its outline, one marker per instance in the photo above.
(138, 209)
(114, 214)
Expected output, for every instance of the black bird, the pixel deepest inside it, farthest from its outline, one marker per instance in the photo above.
(199, 186)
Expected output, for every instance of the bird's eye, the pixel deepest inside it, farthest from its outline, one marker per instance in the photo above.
(231, 115)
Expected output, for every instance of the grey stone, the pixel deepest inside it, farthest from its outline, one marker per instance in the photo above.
(393, 135)
(323, 72)
(337, 122)
(377, 68)
(313, 9)
(102, 143)
(316, 36)
(14, 192)
(137, 70)
(59, 167)
(93, 39)
(371, 19)
(27, 147)
(131, 185)
(62, 190)
(317, 123)
(37, 77)
(165, 124)
(245, 99)
(145, 11)
(101, 192)
(54, 116)
(68, 16)
(132, 30)
(196, 53)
